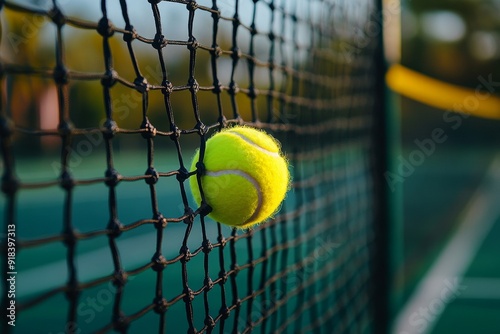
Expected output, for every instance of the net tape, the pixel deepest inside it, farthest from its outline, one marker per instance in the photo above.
(310, 269)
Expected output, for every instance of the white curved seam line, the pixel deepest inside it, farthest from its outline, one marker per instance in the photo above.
(260, 148)
(249, 179)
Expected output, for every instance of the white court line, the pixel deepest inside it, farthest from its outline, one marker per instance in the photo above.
(443, 283)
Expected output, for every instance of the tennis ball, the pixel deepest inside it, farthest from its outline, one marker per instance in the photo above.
(246, 176)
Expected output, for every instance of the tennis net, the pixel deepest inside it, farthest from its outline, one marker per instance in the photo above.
(96, 92)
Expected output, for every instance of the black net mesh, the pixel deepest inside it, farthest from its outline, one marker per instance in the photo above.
(94, 93)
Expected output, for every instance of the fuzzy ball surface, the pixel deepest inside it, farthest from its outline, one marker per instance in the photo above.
(246, 176)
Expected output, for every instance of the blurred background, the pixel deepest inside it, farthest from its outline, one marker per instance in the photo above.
(438, 194)
(457, 42)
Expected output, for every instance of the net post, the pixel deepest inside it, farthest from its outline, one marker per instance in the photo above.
(381, 267)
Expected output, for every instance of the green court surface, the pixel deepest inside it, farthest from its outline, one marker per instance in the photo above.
(434, 197)
(437, 199)
(476, 307)
(42, 268)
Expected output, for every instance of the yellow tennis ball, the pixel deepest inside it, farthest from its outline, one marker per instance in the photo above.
(246, 176)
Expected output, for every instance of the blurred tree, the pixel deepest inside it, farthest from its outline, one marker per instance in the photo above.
(456, 61)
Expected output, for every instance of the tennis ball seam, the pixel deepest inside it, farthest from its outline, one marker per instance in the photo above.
(250, 179)
(254, 144)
